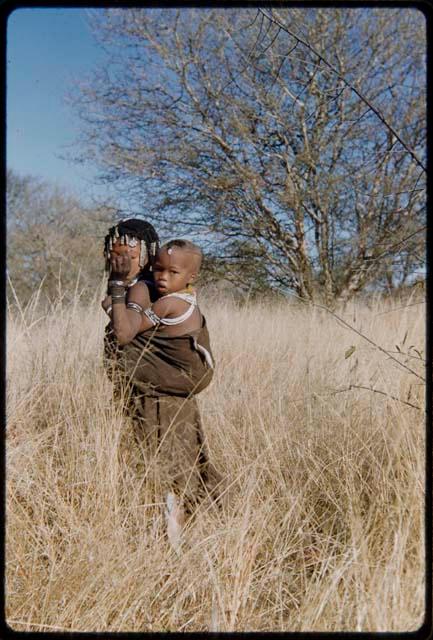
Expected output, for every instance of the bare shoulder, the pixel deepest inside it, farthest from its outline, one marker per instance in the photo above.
(167, 307)
(139, 293)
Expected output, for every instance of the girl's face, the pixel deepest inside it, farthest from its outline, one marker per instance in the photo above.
(132, 252)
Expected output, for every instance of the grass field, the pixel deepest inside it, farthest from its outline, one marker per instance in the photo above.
(319, 434)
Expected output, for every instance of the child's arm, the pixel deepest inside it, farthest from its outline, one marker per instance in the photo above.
(130, 319)
(162, 308)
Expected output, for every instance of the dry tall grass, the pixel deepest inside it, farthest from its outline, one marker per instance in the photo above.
(323, 526)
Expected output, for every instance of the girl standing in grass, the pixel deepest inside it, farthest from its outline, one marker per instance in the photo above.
(157, 345)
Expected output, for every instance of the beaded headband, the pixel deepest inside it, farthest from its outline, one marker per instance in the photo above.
(148, 244)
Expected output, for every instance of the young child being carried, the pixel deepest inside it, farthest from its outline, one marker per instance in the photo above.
(171, 352)
(176, 267)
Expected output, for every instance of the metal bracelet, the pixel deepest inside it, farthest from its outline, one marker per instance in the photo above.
(135, 307)
(116, 291)
(108, 310)
(117, 283)
(149, 313)
(117, 300)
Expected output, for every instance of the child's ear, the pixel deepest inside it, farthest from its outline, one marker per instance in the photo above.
(192, 277)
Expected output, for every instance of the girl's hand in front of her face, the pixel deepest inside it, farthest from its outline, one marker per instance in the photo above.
(124, 261)
(120, 266)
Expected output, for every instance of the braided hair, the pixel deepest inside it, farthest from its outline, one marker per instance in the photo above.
(131, 231)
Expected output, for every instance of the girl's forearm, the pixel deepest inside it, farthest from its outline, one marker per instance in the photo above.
(124, 324)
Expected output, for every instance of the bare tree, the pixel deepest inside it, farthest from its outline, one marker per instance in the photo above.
(224, 123)
(54, 242)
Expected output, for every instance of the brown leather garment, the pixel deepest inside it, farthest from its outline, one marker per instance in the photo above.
(168, 434)
(156, 378)
(163, 365)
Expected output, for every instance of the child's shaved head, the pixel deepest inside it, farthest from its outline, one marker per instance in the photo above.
(191, 251)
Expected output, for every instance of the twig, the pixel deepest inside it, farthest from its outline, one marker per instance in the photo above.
(393, 246)
(402, 307)
(41, 626)
(383, 393)
(349, 85)
(349, 326)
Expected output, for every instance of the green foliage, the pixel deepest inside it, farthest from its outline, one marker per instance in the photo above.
(350, 351)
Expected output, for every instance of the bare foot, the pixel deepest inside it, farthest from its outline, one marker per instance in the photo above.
(175, 518)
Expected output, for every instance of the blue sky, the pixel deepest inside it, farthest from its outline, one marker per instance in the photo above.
(47, 50)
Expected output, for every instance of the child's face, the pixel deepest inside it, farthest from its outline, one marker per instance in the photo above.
(173, 270)
(132, 252)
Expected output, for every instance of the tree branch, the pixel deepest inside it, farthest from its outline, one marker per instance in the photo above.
(349, 85)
